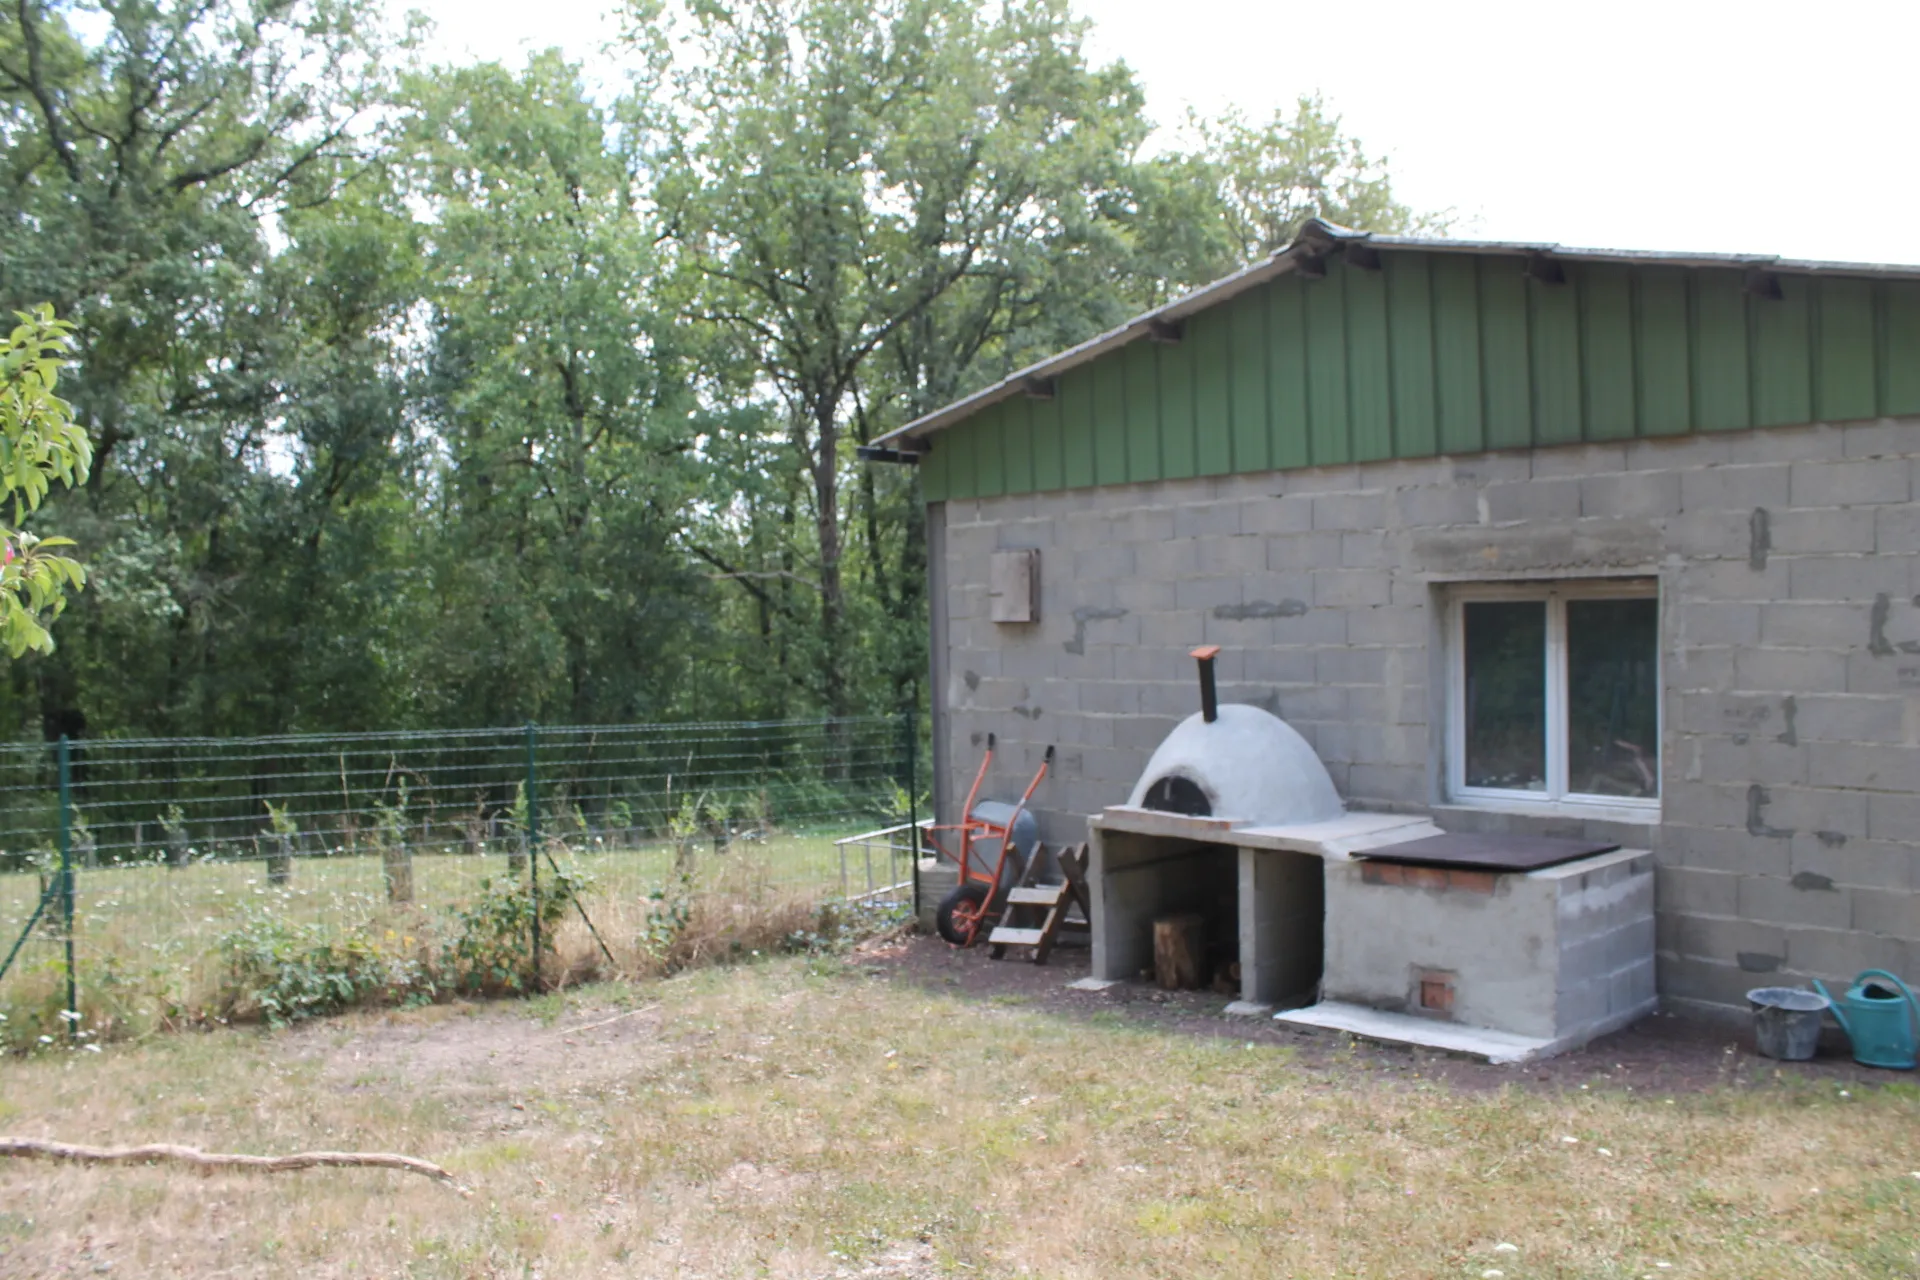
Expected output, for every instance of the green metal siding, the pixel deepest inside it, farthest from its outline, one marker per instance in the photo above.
(1448, 353)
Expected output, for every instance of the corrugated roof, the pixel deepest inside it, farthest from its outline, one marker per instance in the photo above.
(1315, 241)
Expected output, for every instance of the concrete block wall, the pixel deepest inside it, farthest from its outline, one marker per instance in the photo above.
(1788, 562)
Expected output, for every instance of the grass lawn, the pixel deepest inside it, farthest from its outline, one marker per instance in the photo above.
(827, 1117)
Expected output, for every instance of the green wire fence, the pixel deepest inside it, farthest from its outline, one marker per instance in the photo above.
(152, 882)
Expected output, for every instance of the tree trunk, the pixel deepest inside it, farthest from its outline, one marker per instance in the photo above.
(1179, 951)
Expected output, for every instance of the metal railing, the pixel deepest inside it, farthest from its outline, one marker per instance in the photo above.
(135, 875)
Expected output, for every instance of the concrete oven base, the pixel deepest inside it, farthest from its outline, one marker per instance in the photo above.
(1556, 956)
(1508, 966)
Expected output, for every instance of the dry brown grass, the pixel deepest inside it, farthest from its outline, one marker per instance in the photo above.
(806, 1118)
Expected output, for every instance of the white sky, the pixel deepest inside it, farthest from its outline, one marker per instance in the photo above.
(1748, 127)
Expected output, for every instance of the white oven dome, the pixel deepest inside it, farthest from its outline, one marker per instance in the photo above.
(1250, 765)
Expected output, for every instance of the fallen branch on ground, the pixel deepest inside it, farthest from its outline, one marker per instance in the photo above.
(607, 1022)
(167, 1153)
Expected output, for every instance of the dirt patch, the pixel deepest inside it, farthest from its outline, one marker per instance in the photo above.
(473, 1049)
(1667, 1053)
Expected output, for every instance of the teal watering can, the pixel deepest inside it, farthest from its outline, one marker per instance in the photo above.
(1877, 1019)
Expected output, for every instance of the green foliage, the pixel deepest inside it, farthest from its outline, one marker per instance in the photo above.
(460, 396)
(491, 937)
(285, 971)
(39, 444)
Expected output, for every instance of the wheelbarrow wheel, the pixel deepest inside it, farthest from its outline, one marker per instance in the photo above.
(958, 917)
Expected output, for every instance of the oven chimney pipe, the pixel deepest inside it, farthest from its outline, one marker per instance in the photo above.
(1209, 701)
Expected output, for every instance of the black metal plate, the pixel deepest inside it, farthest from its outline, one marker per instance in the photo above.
(1488, 852)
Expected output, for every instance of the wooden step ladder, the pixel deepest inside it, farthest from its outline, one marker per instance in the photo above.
(1018, 926)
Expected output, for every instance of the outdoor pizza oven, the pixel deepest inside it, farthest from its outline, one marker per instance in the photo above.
(1509, 945)
(1235, 762)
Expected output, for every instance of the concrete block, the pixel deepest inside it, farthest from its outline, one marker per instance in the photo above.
(1533, 500)
(1823, 530)
(1885, 438)
(1852, 578)
(1198, 595)
(1840, 484)
(1631, 493)
(1396, 784)
(1879, 673)
(1277, 515)
(1717, 623)
(1705, 802)
(1739, 488)
(1388, 625)
(1839, 954)
(1351, 666)
(1851, 718)
(1365, 549)
(1761, 760)
(1661, 453)
(1721, 848)
(1816, 441)
(1730, 939)
(1290, 552)
(1694, 891)
(1770, 900)
(1577, 460)
(1167, 561)
(1892, 913)
(1708, 981)
(1815, 808)
(1143, 524)
(1800, 625)
(1138, 594)
(1478, 469)
(1894, 817)
(1728, 713)
(1632, 988)
(1702, 669)
(1239, 555)
(1711, 533)
(1109, 560)
(1207, 520)
(1347, 588)
(1853, 860)
(1429, 506)
(1279, 666)
(1867, 767)
(1896, 529)
(1790, 670)
(1347, 512)
(1733, 580)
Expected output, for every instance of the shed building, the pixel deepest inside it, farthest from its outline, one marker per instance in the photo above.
(1521, 539)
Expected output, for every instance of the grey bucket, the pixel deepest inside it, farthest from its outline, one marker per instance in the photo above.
(1786, 1021)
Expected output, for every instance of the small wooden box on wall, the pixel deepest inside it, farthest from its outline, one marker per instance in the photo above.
(1013, 586)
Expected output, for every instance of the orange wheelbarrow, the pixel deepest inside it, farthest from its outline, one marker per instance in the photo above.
(993, 846)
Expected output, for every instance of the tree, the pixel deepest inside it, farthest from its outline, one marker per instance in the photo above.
(1269, 178)
(557, 407)
(42, 445)
(840, 177)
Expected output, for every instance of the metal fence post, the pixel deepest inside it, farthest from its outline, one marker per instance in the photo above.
(909, 719)
(66, 882)
(533, 841)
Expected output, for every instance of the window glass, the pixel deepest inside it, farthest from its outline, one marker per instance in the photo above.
(1506, 693)
(1613, 712)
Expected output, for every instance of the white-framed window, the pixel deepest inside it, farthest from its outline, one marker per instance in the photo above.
(1553, 694)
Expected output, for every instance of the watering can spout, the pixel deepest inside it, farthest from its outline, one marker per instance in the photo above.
(1834, 1006)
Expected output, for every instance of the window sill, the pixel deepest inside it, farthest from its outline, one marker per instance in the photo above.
(1583, 810)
